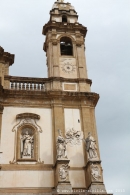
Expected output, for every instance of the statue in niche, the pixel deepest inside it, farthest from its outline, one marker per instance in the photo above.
(63, 172)
(95, 172)
(27, 143)
(91, 147)
(61, 146)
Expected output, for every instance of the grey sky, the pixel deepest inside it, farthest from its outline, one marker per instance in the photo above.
(108, 63)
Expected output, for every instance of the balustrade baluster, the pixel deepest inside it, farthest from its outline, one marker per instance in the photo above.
(31, 86)
(19, 85)
(12, 85)
(15, 85)
(38, 86)
(23, 86)
(27, 86)
(42, 87)
(34, 86)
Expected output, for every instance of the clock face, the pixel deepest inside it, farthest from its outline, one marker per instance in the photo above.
(68, 67)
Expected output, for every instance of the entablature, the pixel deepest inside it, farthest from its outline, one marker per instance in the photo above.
(59, 26)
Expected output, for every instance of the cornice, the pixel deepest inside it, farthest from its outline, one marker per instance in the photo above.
(50, 95)
(59, 26)
(27, 115)
(6, 57)
(50, 79)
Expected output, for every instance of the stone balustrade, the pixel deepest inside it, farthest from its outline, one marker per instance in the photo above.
(25, 83)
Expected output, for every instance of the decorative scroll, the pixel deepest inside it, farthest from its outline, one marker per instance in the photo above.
(74, 137)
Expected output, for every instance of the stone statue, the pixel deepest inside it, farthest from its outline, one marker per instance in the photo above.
(91, 147)
(27, 145)
(61, 146)
(95, 172)
(63, 172)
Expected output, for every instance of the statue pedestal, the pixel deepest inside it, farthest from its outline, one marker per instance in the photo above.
(62, 182)
(94, 174)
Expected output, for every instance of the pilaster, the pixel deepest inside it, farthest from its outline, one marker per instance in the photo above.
(58, 121)
(1, 112)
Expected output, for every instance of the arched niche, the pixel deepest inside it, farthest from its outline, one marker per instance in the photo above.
(27, 143)
(27, 139)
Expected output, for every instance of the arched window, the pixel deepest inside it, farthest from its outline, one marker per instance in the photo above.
(64, 18)
(66, 46)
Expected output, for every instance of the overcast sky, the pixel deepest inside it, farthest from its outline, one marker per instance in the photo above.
(108, 63)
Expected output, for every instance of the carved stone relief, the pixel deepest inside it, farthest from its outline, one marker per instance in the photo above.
(74, 137)
(63, 172)
(95, 172)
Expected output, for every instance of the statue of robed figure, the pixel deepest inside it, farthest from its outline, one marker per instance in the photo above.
(61, 146)
(91, 147)
(27, 145)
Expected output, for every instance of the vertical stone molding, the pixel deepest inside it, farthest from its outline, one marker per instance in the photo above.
(58, 121)
(1, 112)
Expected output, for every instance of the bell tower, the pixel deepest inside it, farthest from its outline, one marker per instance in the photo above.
(64, 45)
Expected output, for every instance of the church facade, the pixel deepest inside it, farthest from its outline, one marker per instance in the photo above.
(48, 136)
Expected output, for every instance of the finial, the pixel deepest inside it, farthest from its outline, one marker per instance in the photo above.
(62, 1)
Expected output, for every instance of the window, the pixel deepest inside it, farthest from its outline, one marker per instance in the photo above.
(66, 47)
(64, 18)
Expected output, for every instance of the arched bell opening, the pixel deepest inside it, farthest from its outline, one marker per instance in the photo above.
(66, 47)
(64, 18)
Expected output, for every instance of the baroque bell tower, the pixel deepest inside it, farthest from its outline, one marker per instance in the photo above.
(65, 47)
